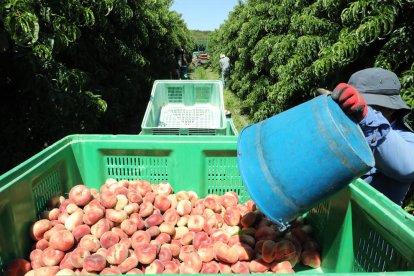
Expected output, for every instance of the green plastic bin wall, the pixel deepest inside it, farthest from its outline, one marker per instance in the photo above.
(190, 107)
(358, 228)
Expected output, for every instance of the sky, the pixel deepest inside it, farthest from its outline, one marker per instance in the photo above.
(205, 15)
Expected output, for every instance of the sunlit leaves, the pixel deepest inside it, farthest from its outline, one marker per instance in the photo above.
(23, 27)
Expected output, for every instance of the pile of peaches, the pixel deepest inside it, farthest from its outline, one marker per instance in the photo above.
(134, 227)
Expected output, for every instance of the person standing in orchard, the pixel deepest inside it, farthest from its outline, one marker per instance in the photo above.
(224, 63)
(371, 98)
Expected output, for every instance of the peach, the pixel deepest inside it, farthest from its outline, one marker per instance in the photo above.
(250, 205)
(17, 267)
(282, 267)
(311, 245)
(201, 238)
(131, 208)
(134, 197)
(149, 197)
(220, 220)
(301, 235)
(113, 270)
(63, 217)
(153, 220)
(121, 201)
(171, 216)
(117, 254)
(52, 257)
(74, 220)
(94, 263)
(91, 216)
(102, 251)
(66, 262)
(126, 241)
(44, 271)
(179, 232)
(225, 253)
(50, 214)
(140, 237)
(211, 267)
(153, 231)
(167, 228)
(228, 201)
(157, 245)
(54, 229)
(55, 201)
(143, 187)
(128, 264)
(268, 251)
(232, 216)
(164, 188)
(129, 227)
(80, 195)
(65, 271)
(38, 229)
(108, 239)
(146, 209)
(146, 253)
(116, 216)
(182, 195)
(187, 238)
(240, 268)
(208, 213)
(245, 252)
(211, 203)
(191, 265)
(219, 235)
(78, 256)
(108, 199)
(81, 230)
(175, 248)
(311, 258)
(185, 252)
(195, 223)
(100, 227)
(184, 207)
(206, 252)
(258, 266)
(284, 250)
(72, 208)
(174, 202)
(36, 258)
(165, 253)
(225, 268)
(210, 223)
(198, 210)
(163, 238)
(243, 209)
(183, 221)
(90, 243)
(171, 267)
(42, 244)
(156, 267)
(62, 240)
(265, 233)
(134, 271)
(137, 219)
(119, 232)
(162, 202)
(121, 191)
(248, 219)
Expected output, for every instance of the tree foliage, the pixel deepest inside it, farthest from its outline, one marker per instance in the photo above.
(70, 66)
(282, 50)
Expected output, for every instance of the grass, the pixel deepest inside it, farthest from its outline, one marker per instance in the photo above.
(231, 102)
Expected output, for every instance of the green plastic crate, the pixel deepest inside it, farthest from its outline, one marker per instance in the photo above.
(185, 107)
(359, 229)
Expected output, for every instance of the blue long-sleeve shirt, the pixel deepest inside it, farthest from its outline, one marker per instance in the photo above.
(393, 148)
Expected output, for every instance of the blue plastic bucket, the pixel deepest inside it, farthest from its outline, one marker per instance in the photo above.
(294, 160)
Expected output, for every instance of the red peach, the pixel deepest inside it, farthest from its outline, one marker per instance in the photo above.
(225, 253)
(80, 195)
(208, 213)
(195, 223)
(250, 205)
(65, 271)
(44, 271)
(228, 201)
(198, 210)
(62, 240)
(248, 219)
(102, 251)
(258, 266)
(146, 253)
(183, 221)
(206, 252)
(192, 264)
(65, 262)
(167, 228)
(144, 187)
(108, 199)
(94, 263)
(78, 256)
(137, 219)
(74, 220)
(179, 232)
(185, 252)
(108, 239)
(63, 217)
(219, 235)
(55, 201)
(140, 237)
(171, 216)
(153, 220)
(282, 268)
(113, 270)
(42, 244)
(36, 258)
(268, 252)
(149, 197)
(146, 209)
(175, 248)
(121, 191)
(134, 197)
(211, 203)
(245, 252)
(163, 238)
(171, 267)
(117, 254)
(174, 202)
(54, 229)
(165, 253)
(50, 214)
(232, 216)
(225, 268)
(156, 267)
(90, 243)
(164, 188)
(72, 208)
(284, 250)
(91, 216)
(153, 231)
(129, 227)
(52, 257)
(134, 271)
(240, 268)
(121, 202)
(131, 208)
(80, 231)
(201, 238)
(162, 202)
(265, 233)
(182, 195)
(210, 223)
(128, 264)
(102, 226)
(39, 228)
(187, 238)
(184, 207)
(116, 216)
(311, 258)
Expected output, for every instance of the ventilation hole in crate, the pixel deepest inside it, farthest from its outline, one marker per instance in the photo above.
(222, 175)
(153, 169)
(319, 216)
(175, 94)
(202, 94)
(42, 191)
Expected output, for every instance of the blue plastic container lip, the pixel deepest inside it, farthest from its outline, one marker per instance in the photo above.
(365, 156)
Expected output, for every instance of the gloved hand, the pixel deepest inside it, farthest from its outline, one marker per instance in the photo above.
(351, 101)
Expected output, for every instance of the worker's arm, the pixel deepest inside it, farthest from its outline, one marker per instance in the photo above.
(393, 148)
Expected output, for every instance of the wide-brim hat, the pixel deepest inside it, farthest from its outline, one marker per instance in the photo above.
(379, 87)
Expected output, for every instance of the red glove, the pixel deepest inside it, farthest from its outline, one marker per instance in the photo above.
(351, 101)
